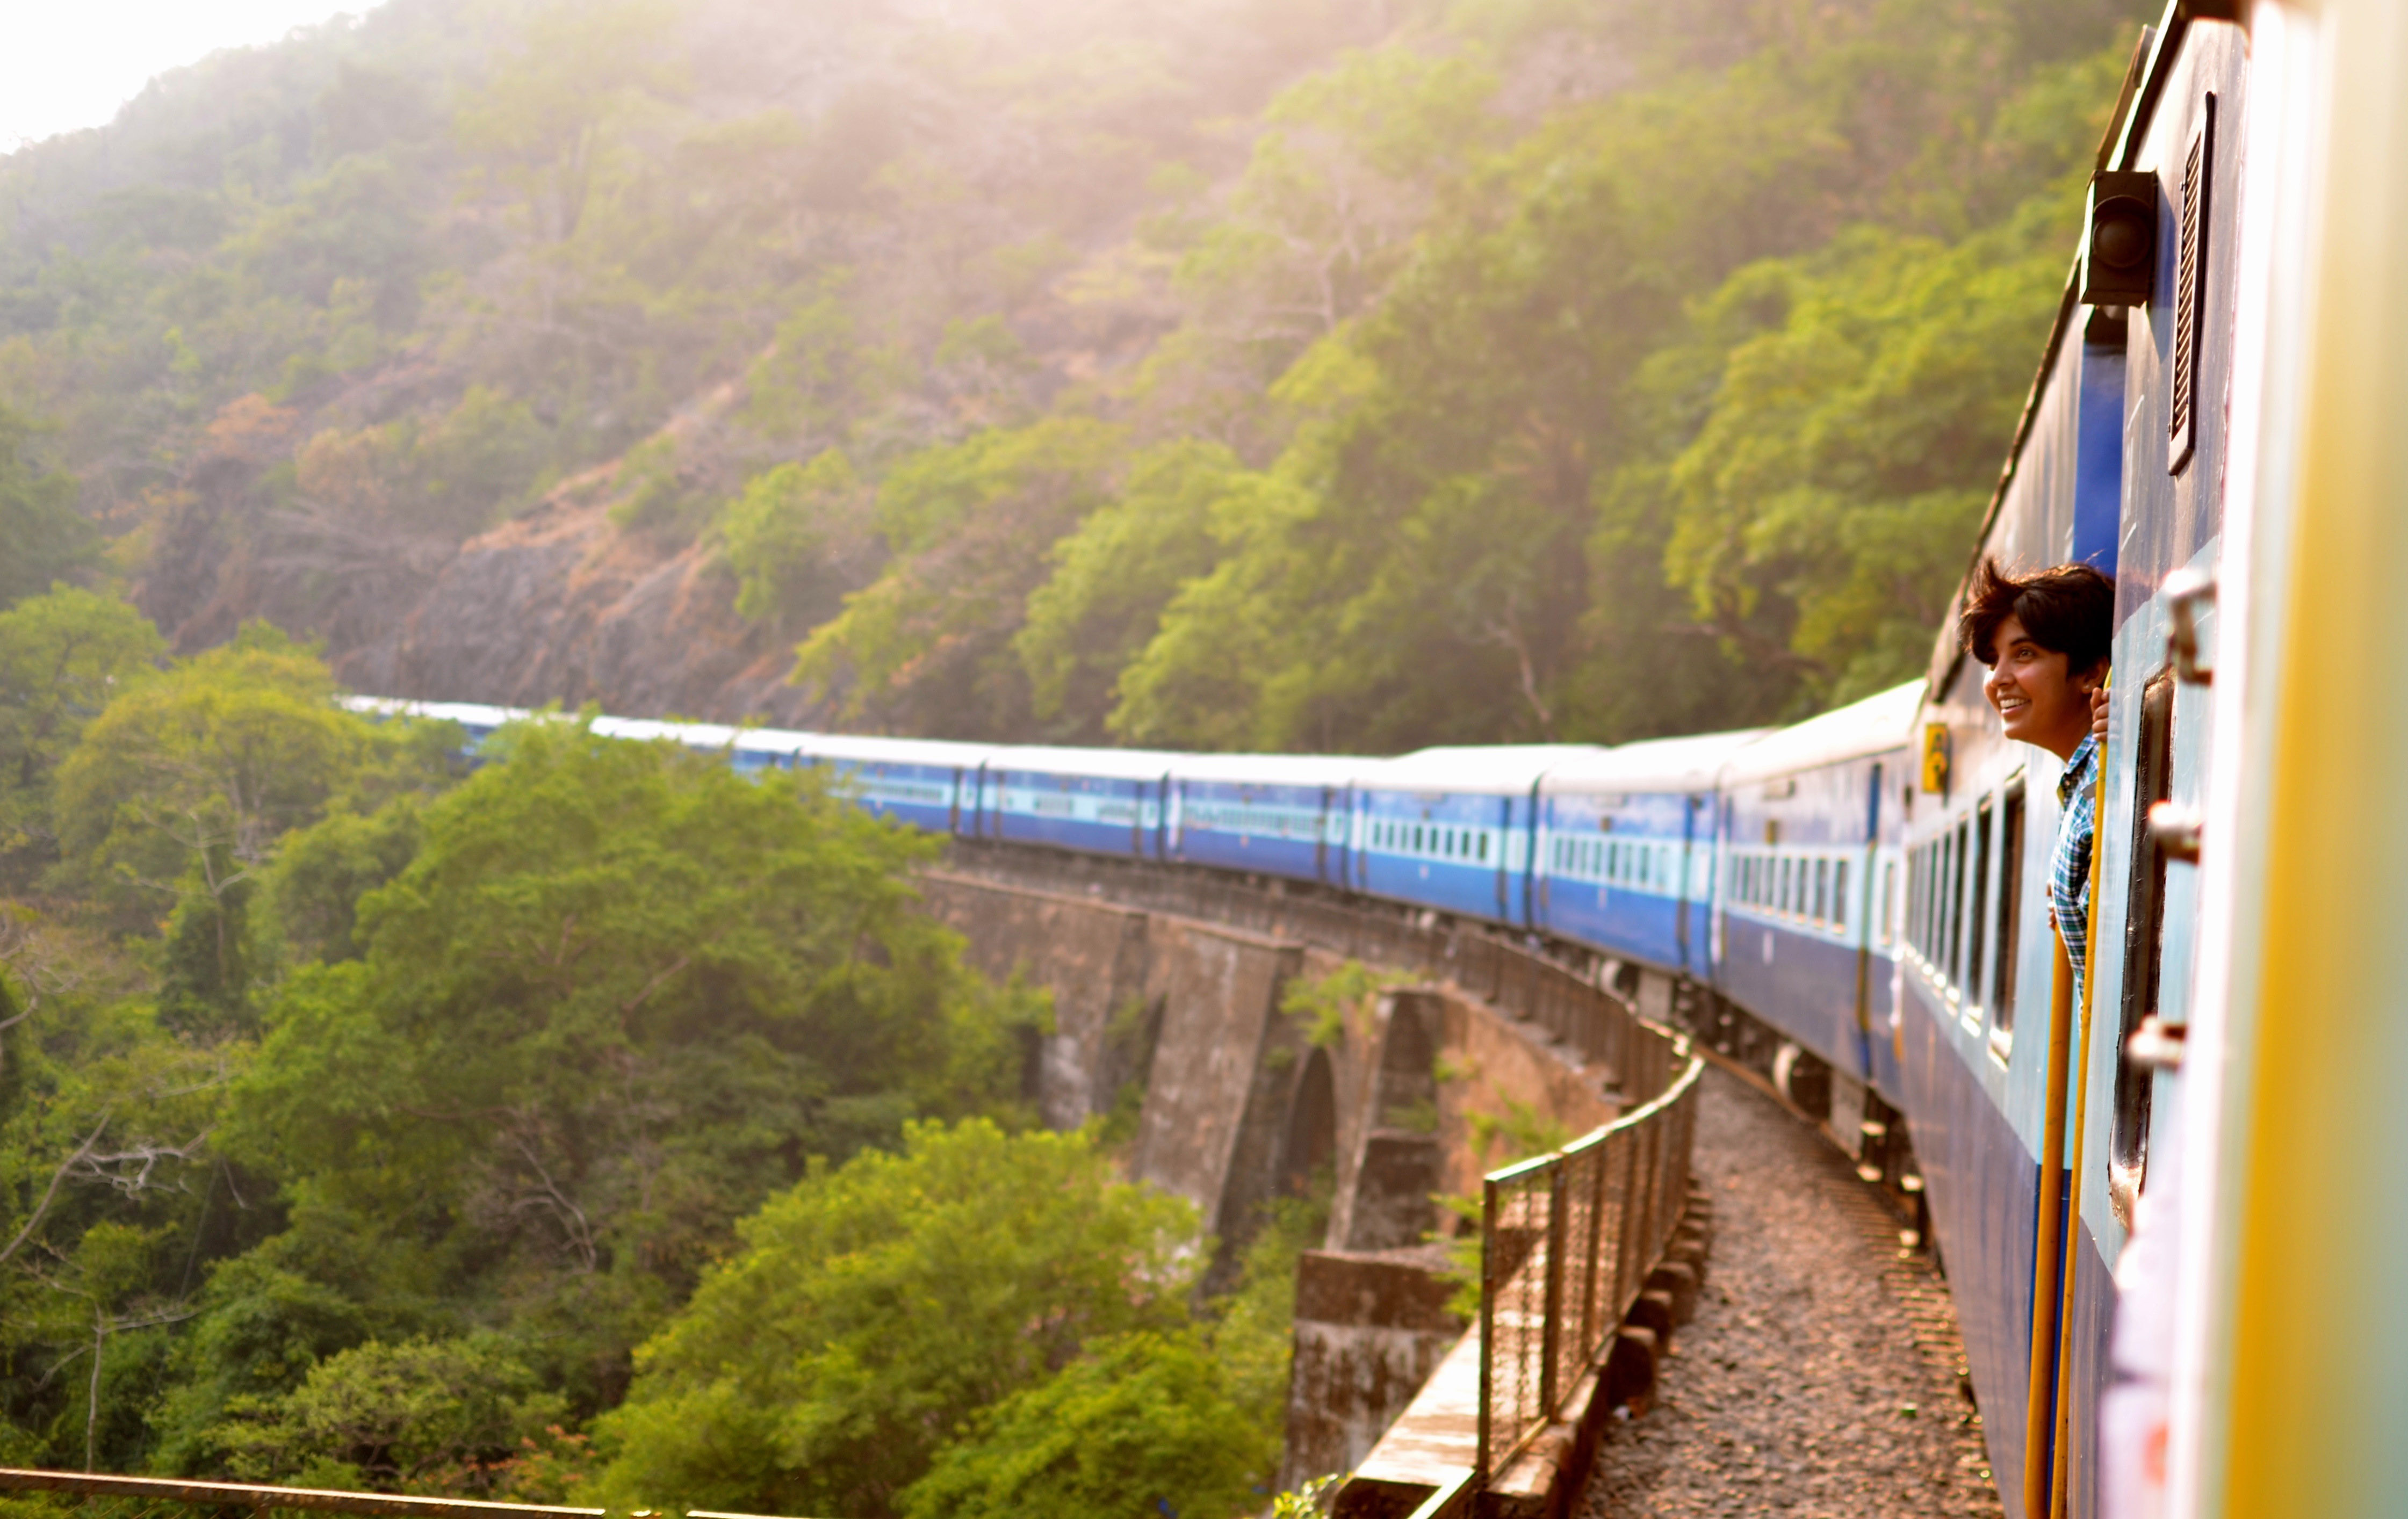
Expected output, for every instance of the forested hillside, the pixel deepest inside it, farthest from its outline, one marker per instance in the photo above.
(1318, 374)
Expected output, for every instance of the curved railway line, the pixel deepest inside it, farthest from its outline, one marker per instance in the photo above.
(1823, 1374)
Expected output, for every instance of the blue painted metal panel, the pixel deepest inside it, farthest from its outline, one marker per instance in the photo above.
(923, 796)
(1463, 855)
(1984, 1187)
(2099, 467)
(1091, 815)
(1800, 981)
(1617, 873)
(1285, 830)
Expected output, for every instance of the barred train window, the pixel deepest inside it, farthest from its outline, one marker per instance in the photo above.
(2010, 875)
(1959, 874)
(1840, 896)
(1980, 916)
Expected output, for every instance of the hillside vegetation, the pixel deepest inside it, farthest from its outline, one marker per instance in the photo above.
(599, 1122)
(1313, 374)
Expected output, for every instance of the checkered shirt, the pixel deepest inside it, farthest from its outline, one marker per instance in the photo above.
(2069, 864)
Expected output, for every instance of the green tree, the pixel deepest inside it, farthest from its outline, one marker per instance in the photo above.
(794, 537)
(46, 535)
(180, 787)
(422, 1416)
(1141, 1423)
(62, 657)
(1851, 448)
(926, 647)
(616, 997)
(879, 1306)
(540, 118)
(1113, 577)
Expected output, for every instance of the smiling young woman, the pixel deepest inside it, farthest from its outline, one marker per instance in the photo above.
(2045, 638)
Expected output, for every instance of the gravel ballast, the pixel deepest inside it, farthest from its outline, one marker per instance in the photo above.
(1821, 1375)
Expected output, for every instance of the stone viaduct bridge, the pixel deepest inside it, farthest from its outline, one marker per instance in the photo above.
(1231, 1021)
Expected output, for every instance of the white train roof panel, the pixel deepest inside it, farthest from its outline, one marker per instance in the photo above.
(1874, 726)
(1108, 764)
(1480, 770)
(466, 713)
(1272, 769)
(861, 748)
(1690, 763)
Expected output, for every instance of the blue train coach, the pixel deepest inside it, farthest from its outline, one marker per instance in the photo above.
(1451, 828)
(1805, 935)
(1274, 814)
(1625, 848)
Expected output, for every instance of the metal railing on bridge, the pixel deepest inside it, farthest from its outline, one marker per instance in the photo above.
(99, 1495)
(1566, 1243)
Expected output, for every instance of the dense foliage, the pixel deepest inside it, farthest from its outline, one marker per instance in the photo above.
(597, 1121)
(1308, 374)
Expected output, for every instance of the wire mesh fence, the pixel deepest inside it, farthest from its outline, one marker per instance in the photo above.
(1566, 1240)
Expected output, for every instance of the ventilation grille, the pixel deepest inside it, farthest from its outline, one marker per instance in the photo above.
(2190, 279)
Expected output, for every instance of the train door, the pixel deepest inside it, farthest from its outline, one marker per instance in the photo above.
(1681, 882)
(2144, 931)
(1863, 913)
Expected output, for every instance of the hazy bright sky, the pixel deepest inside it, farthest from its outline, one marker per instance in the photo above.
(69, 63)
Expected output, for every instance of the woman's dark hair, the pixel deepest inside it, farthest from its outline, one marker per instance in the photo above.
(2068, 609)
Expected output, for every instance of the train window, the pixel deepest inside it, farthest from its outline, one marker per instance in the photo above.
(1979, 918)
(2144, 931)
(1914, 899)
(1956, 883)
(1887, 922)
(1923, 869)
(2010, 877)
(1781, 888)
(1484, 844)
(1840, 896)
(1822, 891)
(1923, 902)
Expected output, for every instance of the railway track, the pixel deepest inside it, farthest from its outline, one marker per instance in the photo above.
(1823, 1373)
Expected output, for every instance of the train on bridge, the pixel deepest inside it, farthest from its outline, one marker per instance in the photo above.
(2203, 1131)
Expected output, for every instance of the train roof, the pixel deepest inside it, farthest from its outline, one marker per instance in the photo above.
(1273, 769)
(1109, 764)
(468, 714)
(1481, 770)
(870, 747)
(1871, 727)
(653, 730)
(1687, 764)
